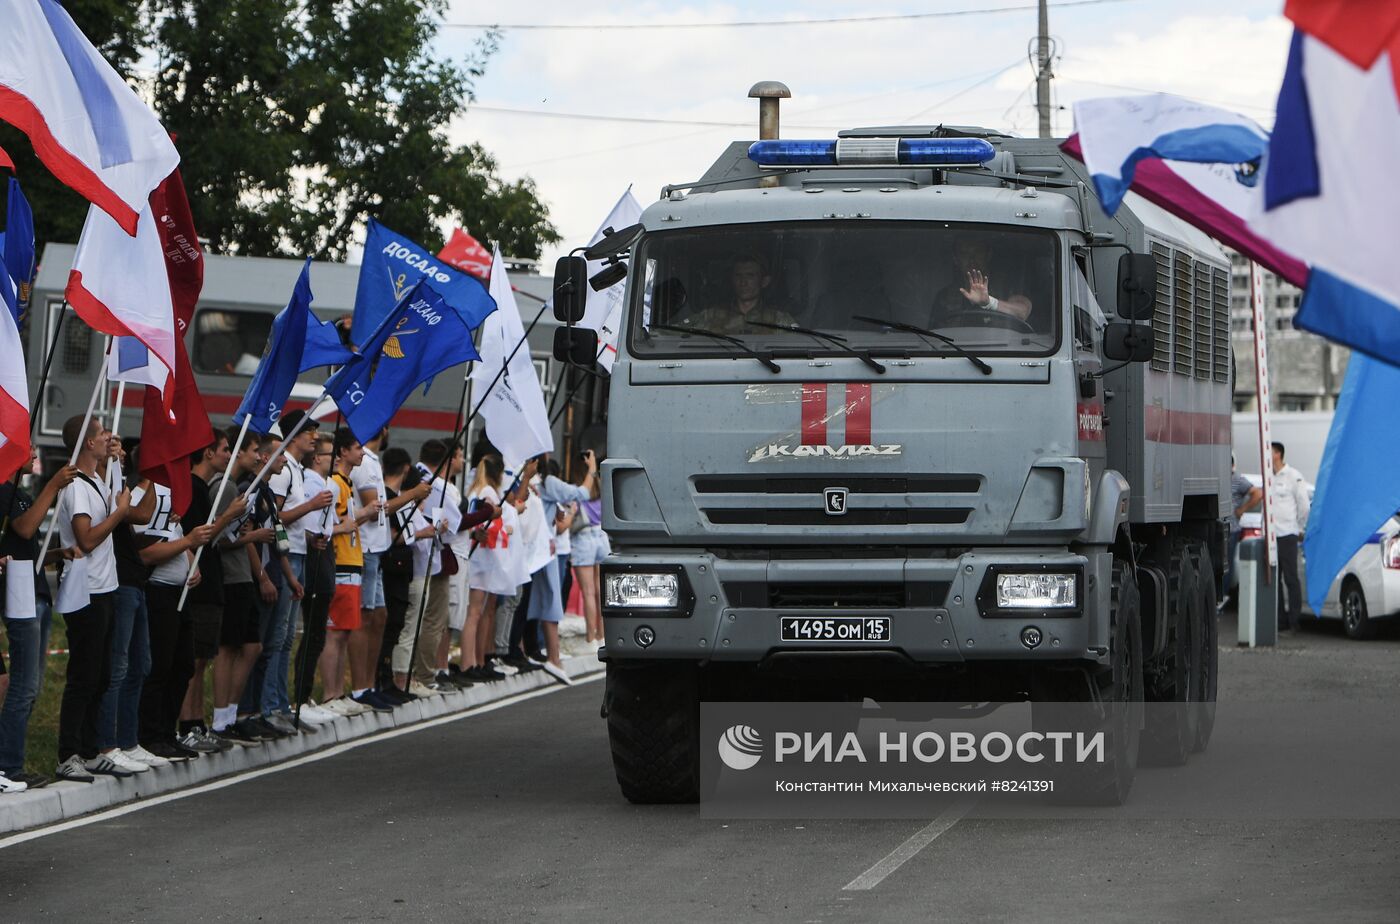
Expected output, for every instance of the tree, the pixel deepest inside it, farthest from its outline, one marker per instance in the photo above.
(298, 120)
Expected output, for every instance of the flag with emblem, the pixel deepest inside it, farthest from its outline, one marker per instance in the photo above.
(421, 337)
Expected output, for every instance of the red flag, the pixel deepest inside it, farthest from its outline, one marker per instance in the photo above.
(5, 161)
(1357, 32)
(167, 441)
(466, 253)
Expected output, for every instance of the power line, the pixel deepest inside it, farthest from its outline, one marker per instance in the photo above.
(598, 117)
(961, 93)
(766, 23)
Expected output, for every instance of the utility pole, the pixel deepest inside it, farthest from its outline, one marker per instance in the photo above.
(1042, 70)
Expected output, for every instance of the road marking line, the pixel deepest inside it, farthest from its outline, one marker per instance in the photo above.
(910, 848)
(333, 751)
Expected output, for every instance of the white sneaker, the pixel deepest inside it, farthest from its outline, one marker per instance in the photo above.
(9, 785)
(350, 706)
(558, 673)
(312, 714)
(142, 756)
(118, 757)
(335, 707)
(421, 691)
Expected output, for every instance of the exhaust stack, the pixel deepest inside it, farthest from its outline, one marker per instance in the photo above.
(768, 93)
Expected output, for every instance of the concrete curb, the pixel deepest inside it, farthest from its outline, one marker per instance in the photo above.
(61, 801)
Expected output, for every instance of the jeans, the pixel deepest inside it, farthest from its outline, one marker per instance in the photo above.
(29, 643)
(172, 664)
(89, 656)
(259, 692)
(120, 711)
(277, 645)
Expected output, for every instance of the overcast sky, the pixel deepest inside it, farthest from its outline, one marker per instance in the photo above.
(970, 70)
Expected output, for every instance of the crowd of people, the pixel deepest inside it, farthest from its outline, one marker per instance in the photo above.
(389, 566)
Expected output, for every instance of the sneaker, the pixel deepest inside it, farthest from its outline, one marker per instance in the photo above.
(143, 756)
(423, 692)
(235, 735)
(373, 702)
(74, 770)
(347, 706)
(197, 740)
(521, 663)
(219, 742)
(490, 674)
(32, 780)
(256, 729)
(9, 785)
(129, 764)
(558, 673)
(281, 723)
(459, 680)
(312, 714)
(444, 689)
(172, 752)
(394, 696)
(104, 764)
(500, 666)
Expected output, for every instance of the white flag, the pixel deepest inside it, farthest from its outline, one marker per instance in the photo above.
(604, 309)
(516, 420)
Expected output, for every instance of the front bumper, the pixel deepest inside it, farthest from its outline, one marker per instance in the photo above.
(935, 617)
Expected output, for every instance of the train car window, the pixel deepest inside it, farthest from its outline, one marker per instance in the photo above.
(230, 342)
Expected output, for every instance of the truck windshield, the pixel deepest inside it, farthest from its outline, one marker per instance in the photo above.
(992, 290)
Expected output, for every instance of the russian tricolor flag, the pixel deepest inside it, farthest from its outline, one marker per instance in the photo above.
(87, 126)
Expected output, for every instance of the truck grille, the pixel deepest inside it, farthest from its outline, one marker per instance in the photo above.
(867, 516)
(797, 500)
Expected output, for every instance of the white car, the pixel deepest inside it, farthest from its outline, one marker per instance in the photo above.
(1368, 589)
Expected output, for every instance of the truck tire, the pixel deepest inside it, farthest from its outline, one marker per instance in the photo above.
(1120, 689)
(1356, 618)
(1209, 651)
(654, 730)
(1173, 721)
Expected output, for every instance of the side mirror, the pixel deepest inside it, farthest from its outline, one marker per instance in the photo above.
(577, 346)
(570, 289)
(1137, 286)
(1129, 343)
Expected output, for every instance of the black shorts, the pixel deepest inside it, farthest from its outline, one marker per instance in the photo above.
(205, 620)
(241, 623)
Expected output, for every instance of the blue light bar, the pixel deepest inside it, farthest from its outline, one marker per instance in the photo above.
(889, 152)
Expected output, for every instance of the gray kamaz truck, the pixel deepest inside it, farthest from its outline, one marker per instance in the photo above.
(905, 415)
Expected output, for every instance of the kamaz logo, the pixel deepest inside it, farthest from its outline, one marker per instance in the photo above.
(783, 450)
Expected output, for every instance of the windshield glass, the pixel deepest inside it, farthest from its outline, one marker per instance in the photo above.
(992, 289)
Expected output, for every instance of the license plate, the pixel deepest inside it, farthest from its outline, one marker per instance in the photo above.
(835, 628)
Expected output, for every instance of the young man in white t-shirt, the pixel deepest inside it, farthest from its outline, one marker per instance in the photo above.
(87, 514)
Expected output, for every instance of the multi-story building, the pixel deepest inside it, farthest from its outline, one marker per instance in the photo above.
(1305, 371)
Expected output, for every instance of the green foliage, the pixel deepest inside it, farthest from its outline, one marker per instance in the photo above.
(298, 120)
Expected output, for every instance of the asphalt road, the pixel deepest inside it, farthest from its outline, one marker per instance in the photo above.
(514, 815)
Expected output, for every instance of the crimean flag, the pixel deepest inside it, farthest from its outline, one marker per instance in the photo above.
(86, 125)
(14, 401)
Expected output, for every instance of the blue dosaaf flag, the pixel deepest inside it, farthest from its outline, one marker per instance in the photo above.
(291, 350)
(421, 337)
(17, 253)
(392, 265)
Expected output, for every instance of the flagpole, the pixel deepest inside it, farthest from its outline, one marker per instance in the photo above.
(114, 472)
(214, 507)
(1261, 403)
(34, 415)
(77, 447)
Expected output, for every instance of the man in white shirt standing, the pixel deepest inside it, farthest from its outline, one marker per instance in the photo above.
(87, 515)
(367, 478)
(1289, 504)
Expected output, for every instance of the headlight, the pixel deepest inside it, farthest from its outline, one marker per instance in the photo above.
(637, 590)
(1037, 591)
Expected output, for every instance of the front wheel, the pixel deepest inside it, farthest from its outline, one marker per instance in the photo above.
(654, 730)
(1356, 619)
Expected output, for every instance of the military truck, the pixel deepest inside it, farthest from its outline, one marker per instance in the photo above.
(905, 415)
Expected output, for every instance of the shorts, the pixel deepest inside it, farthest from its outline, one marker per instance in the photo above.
(242, 619)
(205, 620)
(372, 583)
(590, 547)
(345, 607)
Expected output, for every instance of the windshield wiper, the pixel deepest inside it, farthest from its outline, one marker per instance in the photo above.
(839, 342)
(925, 332)
(764, 358)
